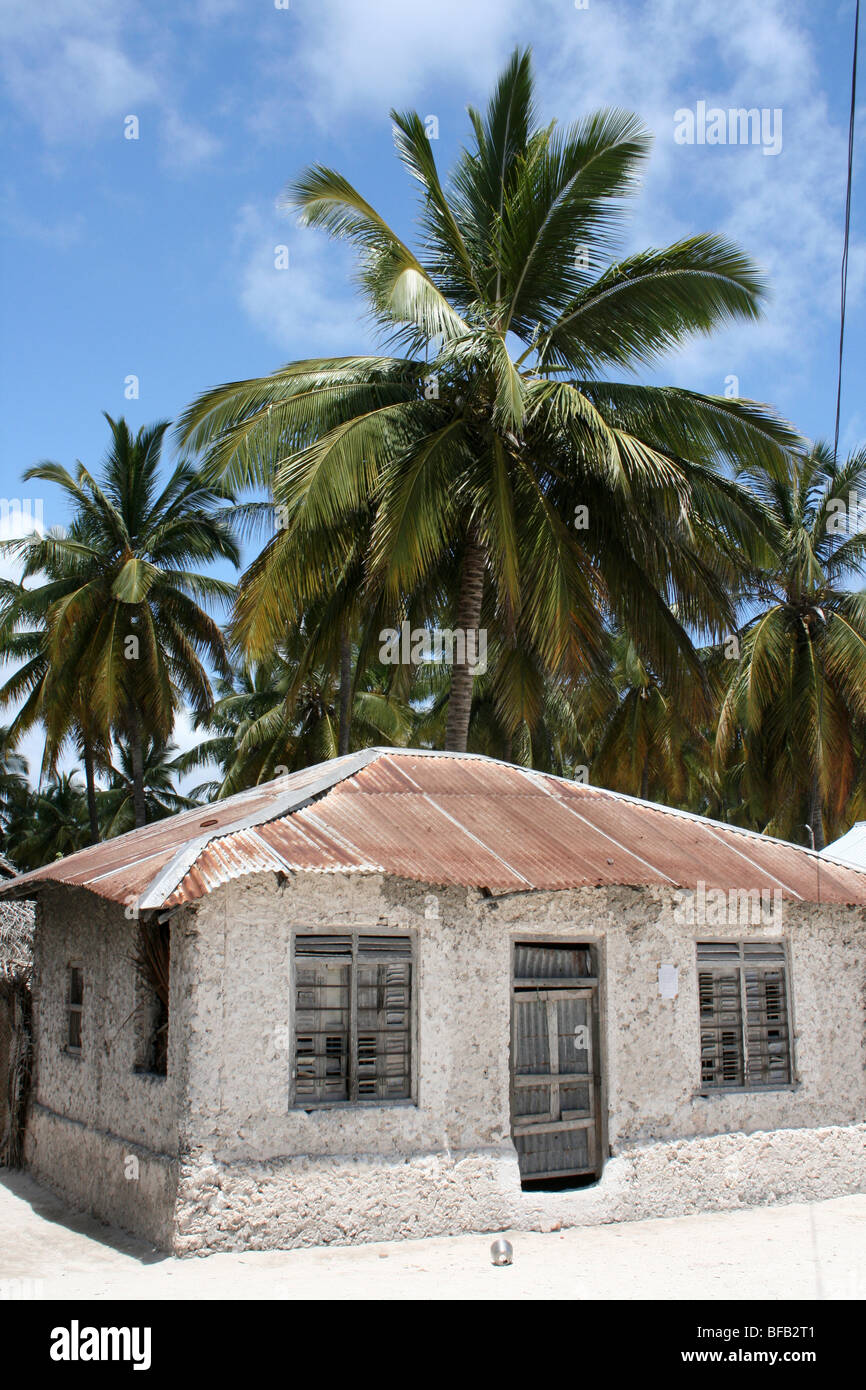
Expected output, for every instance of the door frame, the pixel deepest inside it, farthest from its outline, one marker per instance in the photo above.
(595, 985)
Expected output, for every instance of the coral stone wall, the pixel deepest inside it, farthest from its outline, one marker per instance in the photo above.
(100, 1132)
(259, 1172)
(217, 1156)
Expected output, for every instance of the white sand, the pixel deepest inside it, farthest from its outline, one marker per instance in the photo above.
(810, 1251)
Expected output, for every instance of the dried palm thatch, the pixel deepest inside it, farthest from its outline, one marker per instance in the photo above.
(152, 962)
(16, 938)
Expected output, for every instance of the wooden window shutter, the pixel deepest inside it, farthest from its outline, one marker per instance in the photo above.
(322, 1014)
(384, 985)
(721, 1028)
(353, 1022)
(743, 1006)
(768, 1044)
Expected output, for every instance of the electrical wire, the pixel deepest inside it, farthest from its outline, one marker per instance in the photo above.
(847, 227)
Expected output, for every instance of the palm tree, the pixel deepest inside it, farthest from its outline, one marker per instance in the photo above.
(644, 743)
(266, 721)
(462, 465)
(14, 787)
(794, 714)
(51, 823)
(126, 632)
(73, 725)
(162, 799)
(517, 714)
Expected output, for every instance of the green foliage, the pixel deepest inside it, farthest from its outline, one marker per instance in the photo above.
(665, 593)
(794, 714)
(393, 492)
(113, 631)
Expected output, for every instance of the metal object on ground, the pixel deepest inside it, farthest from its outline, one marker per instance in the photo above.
(501, 1252)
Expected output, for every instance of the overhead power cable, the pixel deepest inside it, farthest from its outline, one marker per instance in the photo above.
(847, 227)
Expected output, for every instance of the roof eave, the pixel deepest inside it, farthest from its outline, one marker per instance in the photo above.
(160, 889)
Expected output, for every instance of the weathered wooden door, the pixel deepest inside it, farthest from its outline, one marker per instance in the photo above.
(554, 1073)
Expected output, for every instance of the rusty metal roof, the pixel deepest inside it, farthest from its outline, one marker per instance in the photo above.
(441, 818)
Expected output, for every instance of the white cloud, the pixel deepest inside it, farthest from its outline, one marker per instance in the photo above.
(61, 233)
(187, 143)
(307, 308)
(77, 67)
(352, 62)
(67, 69)
(350, 57)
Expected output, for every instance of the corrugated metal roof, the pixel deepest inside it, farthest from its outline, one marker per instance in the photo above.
(850, 848)
(442, 819)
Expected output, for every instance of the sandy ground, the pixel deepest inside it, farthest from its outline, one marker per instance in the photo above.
(814, 1251)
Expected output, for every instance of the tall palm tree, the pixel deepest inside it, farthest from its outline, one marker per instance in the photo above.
(14, 787)
(73, 725)
(464, 462)
(794, 714)
(126, 633)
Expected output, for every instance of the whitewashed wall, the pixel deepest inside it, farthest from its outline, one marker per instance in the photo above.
(229, 1163)
(101, 1133)
(260, 1173)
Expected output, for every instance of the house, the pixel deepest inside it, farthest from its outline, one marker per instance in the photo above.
(850, 847)
(16, 944)
(414, 993)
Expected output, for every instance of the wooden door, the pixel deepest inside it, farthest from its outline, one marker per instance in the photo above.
(554, 1073)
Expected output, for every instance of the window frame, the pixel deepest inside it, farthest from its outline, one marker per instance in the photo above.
(355, 933)
(741, 964)
(71, 1009)
(146, 1013)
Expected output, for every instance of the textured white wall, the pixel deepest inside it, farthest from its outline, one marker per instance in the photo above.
(252, 1171)
(240, 1007)
(93, 1114)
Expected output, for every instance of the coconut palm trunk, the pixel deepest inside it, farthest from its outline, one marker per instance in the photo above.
(90, 779)
(345, 690)
(467, 627)
(136, 749)
(816, 812)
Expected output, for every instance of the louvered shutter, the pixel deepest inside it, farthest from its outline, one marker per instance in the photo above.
(384, 986)
(743, 1003)
(352, 1018)
(721, 1014)
(768, 1045)
(322, 1015)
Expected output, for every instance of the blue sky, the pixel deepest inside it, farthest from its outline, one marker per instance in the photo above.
(155, 257)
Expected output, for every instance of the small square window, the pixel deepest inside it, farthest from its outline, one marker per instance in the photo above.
(744, 1017)
(352, 1019)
